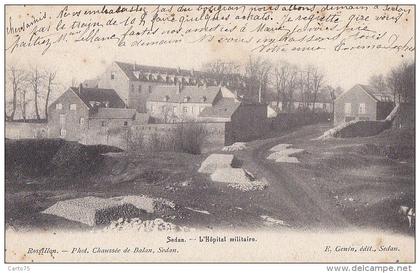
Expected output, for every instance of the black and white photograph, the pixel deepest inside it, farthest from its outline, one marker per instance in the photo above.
(209, 133)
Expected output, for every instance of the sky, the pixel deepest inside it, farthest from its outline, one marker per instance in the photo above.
(88, 60)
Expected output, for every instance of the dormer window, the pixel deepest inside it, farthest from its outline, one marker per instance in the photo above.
(187, 98)
(203, 99)
(136, 74)
(58, 106)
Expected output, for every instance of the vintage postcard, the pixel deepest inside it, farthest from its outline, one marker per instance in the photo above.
(209, 133)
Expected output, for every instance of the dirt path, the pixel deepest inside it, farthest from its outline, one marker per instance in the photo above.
(291, 196)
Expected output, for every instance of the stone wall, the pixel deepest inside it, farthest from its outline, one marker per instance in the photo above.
(20, 130)
(214, 134)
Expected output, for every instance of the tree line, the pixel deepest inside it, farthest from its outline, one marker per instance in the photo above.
(284, 81)
(28, 88)
(400, 81)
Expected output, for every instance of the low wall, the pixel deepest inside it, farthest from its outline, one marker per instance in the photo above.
(21, 130)
(214, 134)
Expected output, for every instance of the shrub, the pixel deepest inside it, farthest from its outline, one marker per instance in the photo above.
(184, 137)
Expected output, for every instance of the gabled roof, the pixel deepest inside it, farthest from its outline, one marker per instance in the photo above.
(190, 94)
(98, 95)
(379, 96)
(383, 95)
(224, 108)
(114, 113)
(137, 72)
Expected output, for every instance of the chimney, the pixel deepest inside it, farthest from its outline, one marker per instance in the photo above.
(80, 88)
(134, 66)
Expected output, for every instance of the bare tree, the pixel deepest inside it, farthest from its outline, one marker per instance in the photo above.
(221, 68)
(16, 79)
(393, 80)
(317, 81)
(50, 83)
(281, 72)
(378, 82)
(257, 71)
(23, 102)
(401, 81)
(35, 79)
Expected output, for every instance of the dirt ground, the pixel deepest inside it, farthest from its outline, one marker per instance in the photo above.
(340, 183)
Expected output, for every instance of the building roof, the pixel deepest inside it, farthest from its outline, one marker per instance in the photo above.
(224, 108)
(137, 72)
(382, 96)
(190, 94)
(98, 95)
(114, 113)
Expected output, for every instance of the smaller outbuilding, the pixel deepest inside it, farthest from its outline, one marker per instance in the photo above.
(362, 102)
(79, 110)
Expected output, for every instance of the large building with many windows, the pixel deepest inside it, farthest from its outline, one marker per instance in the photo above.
(135, 83)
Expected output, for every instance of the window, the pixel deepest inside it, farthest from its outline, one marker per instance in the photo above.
(324, 106)
(73, 106)
(62, 119)
(81, 121)
(58, 106)
(103, 123)
(62, 132)
(362, 108)
(112, 75)
(150, 89)
(125, 123)
(185, 109)
(139, 88)
(151, 108)
(347, 108)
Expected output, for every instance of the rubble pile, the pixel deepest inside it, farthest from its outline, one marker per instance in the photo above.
(98, 211)
(216, 161)
(237, 146)
(282, 153)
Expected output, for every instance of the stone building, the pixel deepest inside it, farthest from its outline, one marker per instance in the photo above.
(169, 104)
(79, 109)
(361, 102)
(134, 83)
